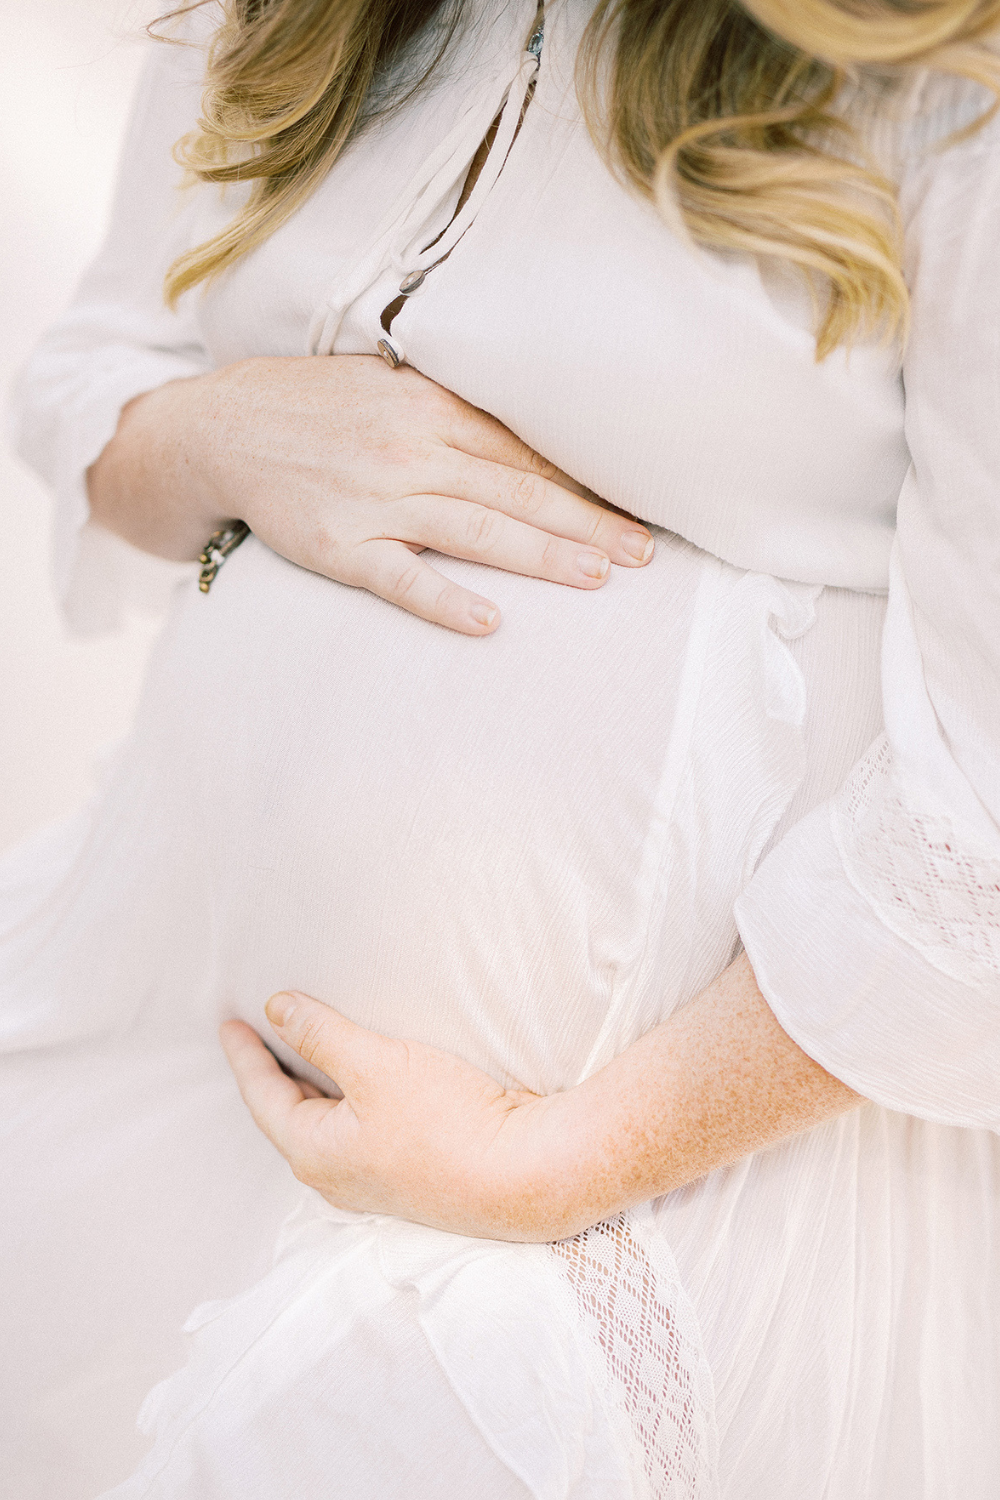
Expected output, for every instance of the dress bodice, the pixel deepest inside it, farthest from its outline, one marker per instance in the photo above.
(680, 384)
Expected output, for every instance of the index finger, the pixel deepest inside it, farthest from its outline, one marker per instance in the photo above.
(337, 1046)
(540, 501)
(469, 430)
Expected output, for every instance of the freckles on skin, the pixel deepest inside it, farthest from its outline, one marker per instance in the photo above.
(422, 1135)
(715, 1083)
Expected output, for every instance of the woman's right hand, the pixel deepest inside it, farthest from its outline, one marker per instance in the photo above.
(350, 469)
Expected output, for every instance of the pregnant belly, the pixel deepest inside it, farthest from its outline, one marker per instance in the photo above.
(512, 847)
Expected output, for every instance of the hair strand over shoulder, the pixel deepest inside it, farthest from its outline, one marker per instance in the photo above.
(724, 113)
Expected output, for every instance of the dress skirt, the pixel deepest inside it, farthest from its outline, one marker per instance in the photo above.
(526, 850)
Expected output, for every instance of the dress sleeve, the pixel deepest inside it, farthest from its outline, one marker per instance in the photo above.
(116, 340)
(874, 925)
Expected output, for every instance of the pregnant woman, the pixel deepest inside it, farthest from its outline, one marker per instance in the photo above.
(627, 890)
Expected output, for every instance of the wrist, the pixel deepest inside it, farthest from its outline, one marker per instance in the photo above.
(149, 483)
(612, 1139)
(183, 436)
(557, 1176)
(227, 425)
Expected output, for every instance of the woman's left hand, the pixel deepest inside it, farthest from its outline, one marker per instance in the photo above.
(422, 1135)
(419, 1133)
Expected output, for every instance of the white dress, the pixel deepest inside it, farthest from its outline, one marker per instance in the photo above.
(529, 849)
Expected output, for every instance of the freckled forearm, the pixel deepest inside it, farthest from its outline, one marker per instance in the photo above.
(716, 1082)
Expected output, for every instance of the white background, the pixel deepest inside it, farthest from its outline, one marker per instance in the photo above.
(67, 72)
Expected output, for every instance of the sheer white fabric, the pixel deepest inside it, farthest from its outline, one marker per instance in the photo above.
(926, 854)
(314, 779)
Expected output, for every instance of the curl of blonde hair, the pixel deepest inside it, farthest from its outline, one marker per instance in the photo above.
(286, 87)
(721, 111)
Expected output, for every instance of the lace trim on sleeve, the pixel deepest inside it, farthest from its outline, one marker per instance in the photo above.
(911, 867)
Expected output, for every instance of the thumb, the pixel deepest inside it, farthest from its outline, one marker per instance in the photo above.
(341, 1049)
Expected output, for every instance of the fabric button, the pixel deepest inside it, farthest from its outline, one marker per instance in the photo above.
(389, 353)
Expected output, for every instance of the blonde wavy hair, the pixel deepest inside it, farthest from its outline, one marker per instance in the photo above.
(721, 111)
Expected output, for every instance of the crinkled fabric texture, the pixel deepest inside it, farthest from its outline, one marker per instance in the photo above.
(516, 1395)
(531, 848)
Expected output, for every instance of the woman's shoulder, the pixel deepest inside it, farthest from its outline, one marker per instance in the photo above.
(924, 131)
(946, 110)
(176, 57)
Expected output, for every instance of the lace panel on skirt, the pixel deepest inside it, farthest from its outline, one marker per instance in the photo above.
(637, 1319)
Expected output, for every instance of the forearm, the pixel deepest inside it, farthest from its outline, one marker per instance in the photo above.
(148, 485)
(716, 1082)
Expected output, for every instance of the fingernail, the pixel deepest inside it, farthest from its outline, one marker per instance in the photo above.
(280, 1009)
(638, 545)
(592, 564)
(483, 614)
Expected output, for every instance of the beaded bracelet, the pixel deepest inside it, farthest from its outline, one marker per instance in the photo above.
(217, 549)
